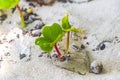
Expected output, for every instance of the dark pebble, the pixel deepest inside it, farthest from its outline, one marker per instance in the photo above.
(3, 17)
(85, 37)
(40, 55)
(49, 56)
(82, 46)
(87, 43)
(76, 48)
(24, 32)
(64, 1)
(11, 40)
(17, 35)
(31, 4)
(39, 26)
(93, 50)
(22, 56)
(13, 9)
(55, 55)
(102, 47)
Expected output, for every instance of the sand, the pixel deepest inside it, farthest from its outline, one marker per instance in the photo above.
(100, 19)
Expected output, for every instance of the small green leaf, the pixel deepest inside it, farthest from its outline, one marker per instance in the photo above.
(76, 30)
(65, 22)
(44, 44)
(8, 4)
(51, 32)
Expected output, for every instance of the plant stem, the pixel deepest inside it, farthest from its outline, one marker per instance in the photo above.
(57, 50)
(21, 16)
(67, 42)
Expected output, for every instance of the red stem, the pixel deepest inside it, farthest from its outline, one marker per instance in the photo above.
(57, 50)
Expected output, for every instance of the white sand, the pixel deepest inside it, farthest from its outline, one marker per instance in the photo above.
(99, 18)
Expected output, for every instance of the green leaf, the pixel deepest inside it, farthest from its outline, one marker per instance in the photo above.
(51, 35)
(44, 44)
(8, 4)
(76, 30)
(65, 22)
(52, 32)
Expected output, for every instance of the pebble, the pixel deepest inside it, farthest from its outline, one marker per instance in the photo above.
(96, 67)
(1, 59)
(75, 48)
(36, 33)
(3, 17)
(44, 2)
(82, 46)
(102, 47)
(17, 35)
(87, 43)
(22, 56)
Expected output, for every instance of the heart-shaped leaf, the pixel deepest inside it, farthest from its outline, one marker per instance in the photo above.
(44, 44)
(8, 4)
(65, 22)
(51, 35)
(52, 32)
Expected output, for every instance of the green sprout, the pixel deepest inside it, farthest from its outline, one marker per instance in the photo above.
(9, 4)
(54, 33)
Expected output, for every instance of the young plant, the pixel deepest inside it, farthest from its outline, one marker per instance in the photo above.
(52, 34)
(8, 4)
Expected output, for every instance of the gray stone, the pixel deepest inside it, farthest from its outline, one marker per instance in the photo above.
(96, 67)
(75, 62)
(36, 33)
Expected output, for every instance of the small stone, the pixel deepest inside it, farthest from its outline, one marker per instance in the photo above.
(85, 37)
(54, 56)
(24, 32)
(40, 55)
(82, 46)
(22, 56)
(39, 26)
(75, 48)
(64, 1)
(36, 33)
(62, 58)
(31, 4)
(93, 49)
(11, 40)
(96, 67)
(102, 47)
(87, 43)
(7, 54)
(3, 17)
(17, 35)
(13, 9)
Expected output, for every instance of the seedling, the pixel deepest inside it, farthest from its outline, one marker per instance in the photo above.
(52, 34)
(8, 4)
